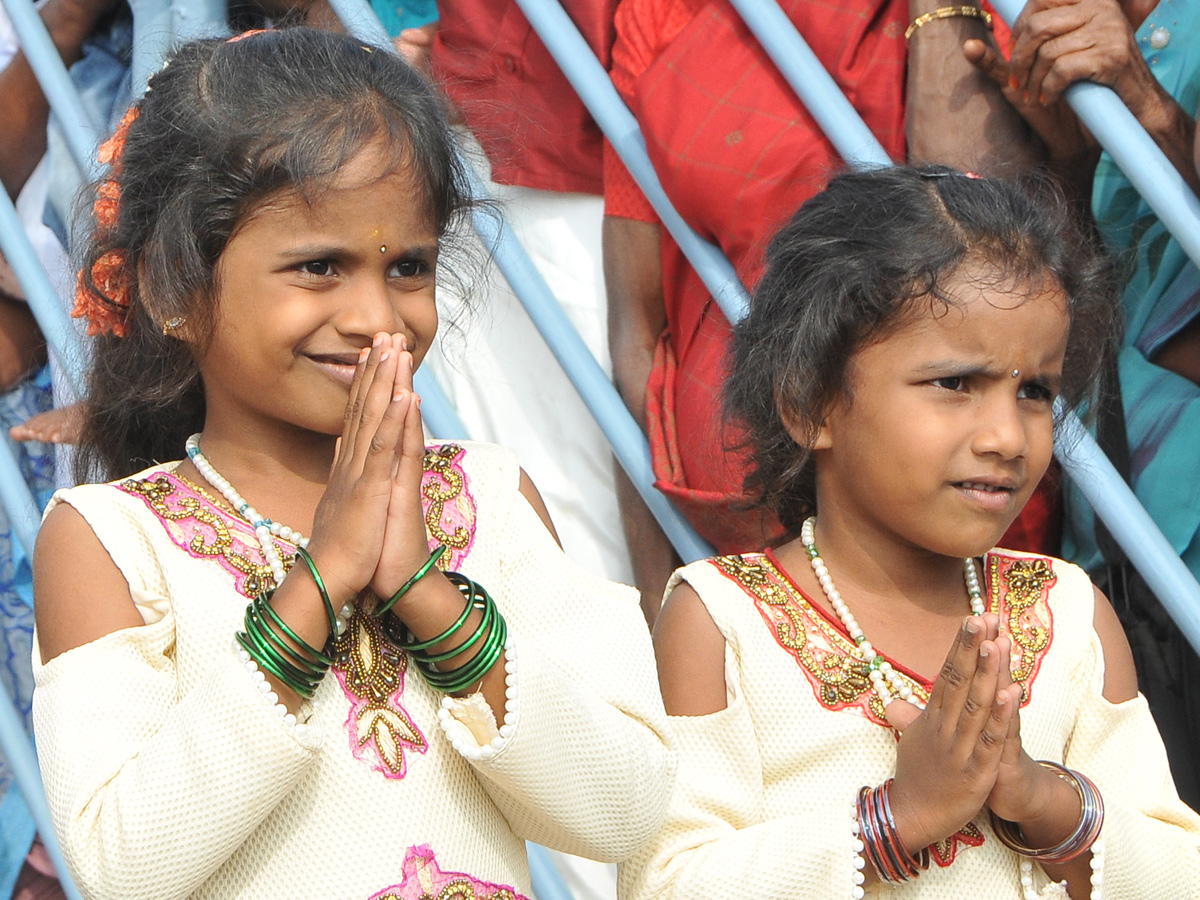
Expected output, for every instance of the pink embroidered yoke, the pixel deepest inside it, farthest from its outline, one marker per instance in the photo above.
(764, 794)
(169, 776)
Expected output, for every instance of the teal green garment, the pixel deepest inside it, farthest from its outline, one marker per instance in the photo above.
(1162, 295)
(396, 15)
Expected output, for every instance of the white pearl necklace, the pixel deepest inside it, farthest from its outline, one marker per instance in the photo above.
(887, 683)
(264, 528)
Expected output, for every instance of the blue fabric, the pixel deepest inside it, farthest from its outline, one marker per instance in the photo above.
(16, 614)
(1162, 294)
(396, 15)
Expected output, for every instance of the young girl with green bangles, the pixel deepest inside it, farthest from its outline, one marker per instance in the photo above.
(315, 657)
(885, 705)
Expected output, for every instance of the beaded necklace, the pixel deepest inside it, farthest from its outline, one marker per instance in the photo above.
(887, 683)
(264, 528)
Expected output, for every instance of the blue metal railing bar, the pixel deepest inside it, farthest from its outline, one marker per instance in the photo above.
(594, 87)
(624, 434)
(547, 883)
(605, 404)
(1149, 551)
(437, 410)
(812, 83)
(1081, 458)
(78, 129)
(1134, 152)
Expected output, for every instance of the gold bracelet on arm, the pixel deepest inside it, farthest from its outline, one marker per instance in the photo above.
(948, 12)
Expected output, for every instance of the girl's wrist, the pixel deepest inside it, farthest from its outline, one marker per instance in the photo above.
(1053, 811)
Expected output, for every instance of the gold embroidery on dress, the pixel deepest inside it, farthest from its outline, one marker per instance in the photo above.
(155, 491)
(440, 461)
(841, 677)
(372, 669)
(1025, 582)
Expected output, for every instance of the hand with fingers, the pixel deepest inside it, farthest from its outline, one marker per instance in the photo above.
(950, 753)
(352, 516)
(1056, 43)
(405, 545)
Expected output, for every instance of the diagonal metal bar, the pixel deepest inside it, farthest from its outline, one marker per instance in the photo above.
(812, 83)
(591, 82)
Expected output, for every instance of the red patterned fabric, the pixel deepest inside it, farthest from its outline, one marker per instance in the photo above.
(533, 127)
(737, 153)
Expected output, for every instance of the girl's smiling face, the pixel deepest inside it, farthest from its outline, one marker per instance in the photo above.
(948, 422)
(303, 287)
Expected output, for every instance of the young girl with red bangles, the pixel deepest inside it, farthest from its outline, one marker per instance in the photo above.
(314, 657)
(885, 704)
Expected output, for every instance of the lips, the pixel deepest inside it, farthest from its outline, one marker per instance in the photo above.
(993, 496)
(338, 366)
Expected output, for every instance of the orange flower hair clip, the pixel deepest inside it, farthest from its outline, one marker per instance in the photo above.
(104, 298)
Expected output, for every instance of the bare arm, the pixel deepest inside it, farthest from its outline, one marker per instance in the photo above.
(988, 134)
(636, 318)
(23, 107)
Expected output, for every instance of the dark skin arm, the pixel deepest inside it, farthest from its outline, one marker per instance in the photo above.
(636, 317)
(943, 86)
(23, 107)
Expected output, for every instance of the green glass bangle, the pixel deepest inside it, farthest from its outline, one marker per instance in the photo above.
(259, 625)
(265, 601)
(408, 585)
(303, 554)
(265, 642)
(465, 676)
(460, 583)
(489, 610)
(300, 687)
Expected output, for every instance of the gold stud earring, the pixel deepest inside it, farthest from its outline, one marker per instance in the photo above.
(172, 323)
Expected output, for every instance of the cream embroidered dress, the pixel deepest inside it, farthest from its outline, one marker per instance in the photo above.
(762, 805)
(169, 775)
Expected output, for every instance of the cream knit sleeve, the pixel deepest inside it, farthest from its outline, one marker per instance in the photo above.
(151, 791)
(588, 767)
(718, 838)
(1150, 839)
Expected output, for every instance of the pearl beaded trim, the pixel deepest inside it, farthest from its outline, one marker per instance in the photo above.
(887, 683)
(264, 529)
(858, 876)
(1097, 878)
(299, 729)
(512, 709)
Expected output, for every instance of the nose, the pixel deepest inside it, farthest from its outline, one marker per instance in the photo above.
(1001, 427)
(367, 308)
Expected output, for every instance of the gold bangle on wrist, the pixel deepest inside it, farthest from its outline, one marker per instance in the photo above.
(948, 12)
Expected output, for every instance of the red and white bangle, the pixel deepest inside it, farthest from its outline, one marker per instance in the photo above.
(881, 841)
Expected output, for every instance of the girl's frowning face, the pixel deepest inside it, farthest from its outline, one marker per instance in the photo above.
(948, 426)
(304, 286)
